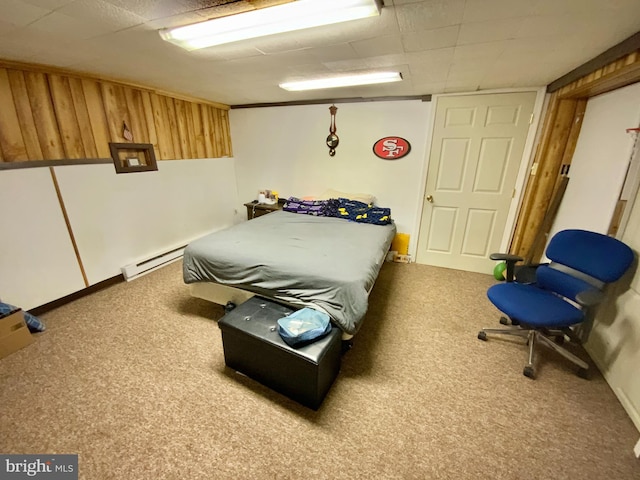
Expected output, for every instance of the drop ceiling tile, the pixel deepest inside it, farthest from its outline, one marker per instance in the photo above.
(153, 9)
(464, 70)
(232, 51)
(20, 14)
(548, 25)
(175, 20)
(349, 32)
(510, 78)
(593, 7)
(383, 61)
(283, 61)
(532, 50)
(41, 47)
(48, 4)
(479, 51)
(429, 15)
(275, 43)
(429, 73)
(130, 43)
(111, 16)
(428, 88)
(6, 28)
(483, 10)
(334, 53)
(386, 45)
(489, 31)
(65, 28)
(461, 86)
(431, 39)
(441, 56)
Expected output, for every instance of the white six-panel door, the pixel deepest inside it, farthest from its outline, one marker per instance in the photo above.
(476, 150)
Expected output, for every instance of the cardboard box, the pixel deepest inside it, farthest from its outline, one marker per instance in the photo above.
(14, 333)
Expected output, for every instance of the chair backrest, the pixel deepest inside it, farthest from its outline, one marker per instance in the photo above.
(598, 257)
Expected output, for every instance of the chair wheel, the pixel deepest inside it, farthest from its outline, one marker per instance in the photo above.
(583, 373)
(529, 372)
(505, 321)
(482, 335)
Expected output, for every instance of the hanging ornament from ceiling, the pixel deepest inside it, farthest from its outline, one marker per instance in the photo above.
(332, 139)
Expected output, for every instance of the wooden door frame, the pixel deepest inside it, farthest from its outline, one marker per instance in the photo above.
(615, 68)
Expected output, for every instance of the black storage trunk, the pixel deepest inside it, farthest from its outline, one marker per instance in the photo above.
(253, 346)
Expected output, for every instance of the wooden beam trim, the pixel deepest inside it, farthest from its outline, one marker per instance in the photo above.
(622, 77)
(47, 69)
(423, 98)
(623, 48)
(68, 223)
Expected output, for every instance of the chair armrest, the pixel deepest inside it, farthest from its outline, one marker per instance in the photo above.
(510, 260)
(506, 257)
(589, 298)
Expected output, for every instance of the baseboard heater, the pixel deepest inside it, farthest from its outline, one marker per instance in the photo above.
(135, 270)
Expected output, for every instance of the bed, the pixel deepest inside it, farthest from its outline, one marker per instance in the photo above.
(326, 263)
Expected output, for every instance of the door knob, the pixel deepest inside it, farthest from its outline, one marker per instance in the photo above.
(430, 198)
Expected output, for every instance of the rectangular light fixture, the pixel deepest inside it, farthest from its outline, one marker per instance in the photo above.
(282, 18)
(343, 81)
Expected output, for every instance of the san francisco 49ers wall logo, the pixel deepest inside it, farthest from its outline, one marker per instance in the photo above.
(391, 148)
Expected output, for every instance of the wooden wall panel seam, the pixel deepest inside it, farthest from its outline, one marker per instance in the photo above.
(25, 115)
(68, 223)
(11, 139)
(65, 114)
(44, 116)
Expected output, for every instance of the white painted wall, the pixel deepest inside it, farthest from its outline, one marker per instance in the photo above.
(118, 219)
(597, 173)
(614, 343)
(600, 161)
(283, 149)
(37, 261)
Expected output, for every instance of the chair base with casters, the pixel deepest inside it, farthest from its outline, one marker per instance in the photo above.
(535, 337)
(548, 303)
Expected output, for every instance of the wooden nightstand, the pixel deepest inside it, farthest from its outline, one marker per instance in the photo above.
(255, 209)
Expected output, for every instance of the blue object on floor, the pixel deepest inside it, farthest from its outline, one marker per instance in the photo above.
(304, 326)
(34, 323)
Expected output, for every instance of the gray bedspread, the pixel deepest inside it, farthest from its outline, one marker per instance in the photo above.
(305, 260)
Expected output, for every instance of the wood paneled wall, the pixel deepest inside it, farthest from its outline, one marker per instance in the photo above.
(51, 116)
(556, 147)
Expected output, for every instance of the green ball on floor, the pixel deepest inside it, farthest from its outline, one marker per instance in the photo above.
(499, 272)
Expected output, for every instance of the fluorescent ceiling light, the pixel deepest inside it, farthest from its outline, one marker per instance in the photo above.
(287, 17)
(343, 81)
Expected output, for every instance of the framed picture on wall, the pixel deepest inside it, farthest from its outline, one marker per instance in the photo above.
(133, 157)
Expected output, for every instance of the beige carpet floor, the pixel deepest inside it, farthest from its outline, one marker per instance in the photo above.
(132, 378)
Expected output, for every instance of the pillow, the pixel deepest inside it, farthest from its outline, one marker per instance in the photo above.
(360, 197)
(363, 213)
(34, 323)
(308, 207)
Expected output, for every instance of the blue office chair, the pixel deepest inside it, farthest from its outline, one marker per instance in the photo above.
(561, 300)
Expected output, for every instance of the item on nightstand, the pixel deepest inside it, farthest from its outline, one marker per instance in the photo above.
(267, 197)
